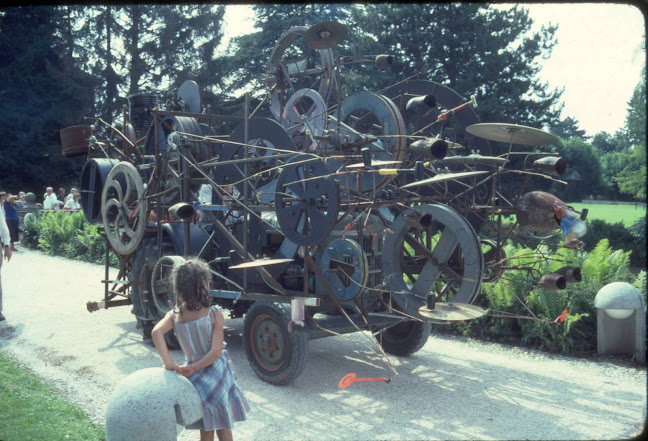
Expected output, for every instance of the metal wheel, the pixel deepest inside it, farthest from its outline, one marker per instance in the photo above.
(305, 112)
(264, 135)
(162, 284)
(123, 208)
(276, 356)
(370, 114)
(432, 249)
(140, 277)
(345, 268)
(308, 210)
(293, 66)
(405, 338)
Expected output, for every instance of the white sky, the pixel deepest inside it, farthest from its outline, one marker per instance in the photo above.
(598, 58)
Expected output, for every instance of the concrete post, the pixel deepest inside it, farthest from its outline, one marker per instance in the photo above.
(147, 404)
(621, 321)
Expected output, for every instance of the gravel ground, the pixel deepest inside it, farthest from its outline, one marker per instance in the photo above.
(452, 389)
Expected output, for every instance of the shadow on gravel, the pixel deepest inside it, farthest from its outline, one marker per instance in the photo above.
(450, 398)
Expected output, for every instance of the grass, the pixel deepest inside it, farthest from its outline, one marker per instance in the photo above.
(628, 214)
(30, 410)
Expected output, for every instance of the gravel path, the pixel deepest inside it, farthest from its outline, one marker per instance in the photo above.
(452, 389)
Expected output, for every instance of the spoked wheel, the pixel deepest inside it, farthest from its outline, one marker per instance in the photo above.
(141, 291)
(370, 115)
(124, 208)
(293, 66)
(162, 283)
(432, 250)
(307, 209)
(276, 356)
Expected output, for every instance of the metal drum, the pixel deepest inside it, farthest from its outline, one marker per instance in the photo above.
(74, 140)
(93, 178)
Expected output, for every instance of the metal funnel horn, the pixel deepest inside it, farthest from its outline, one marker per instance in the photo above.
(417, 219)
(182, 211)
(436, 148)
(420, 105)
(572, 273)
(551, 165)
(384, 61)
(553, 282)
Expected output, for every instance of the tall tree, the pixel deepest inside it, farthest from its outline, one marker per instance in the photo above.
(469, 47)
(41, 93)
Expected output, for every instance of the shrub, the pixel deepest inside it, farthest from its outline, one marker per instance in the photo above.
(509, 321)
(67, 234)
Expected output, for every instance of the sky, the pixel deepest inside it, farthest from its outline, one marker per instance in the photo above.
(597, 60)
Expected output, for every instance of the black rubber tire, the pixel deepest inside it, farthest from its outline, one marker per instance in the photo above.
(274, 318)
(405, 338)
(144, 307)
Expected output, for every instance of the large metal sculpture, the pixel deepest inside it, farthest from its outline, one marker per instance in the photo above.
(338, 215)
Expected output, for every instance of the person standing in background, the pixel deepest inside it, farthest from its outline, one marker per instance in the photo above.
(4, 237)
(11, 217)
(50, 202)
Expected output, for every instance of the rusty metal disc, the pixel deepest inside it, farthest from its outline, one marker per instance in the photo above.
(325, 35)
(512, 133)
(444, 177)
(260, 262)
(452, 311)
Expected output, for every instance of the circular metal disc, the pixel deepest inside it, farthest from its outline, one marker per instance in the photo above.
(260, 262)
(190, 94)
(307, 209)
(452, 311)
(346, 283)
(325, 35)
(511, 133)
(444, 177)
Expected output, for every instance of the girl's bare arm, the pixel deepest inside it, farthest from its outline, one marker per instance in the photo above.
(162, 327)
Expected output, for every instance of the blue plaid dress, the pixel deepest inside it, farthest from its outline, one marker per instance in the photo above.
(223, 401)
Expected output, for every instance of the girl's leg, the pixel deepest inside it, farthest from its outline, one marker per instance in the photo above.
(224, 435)
(206, 435)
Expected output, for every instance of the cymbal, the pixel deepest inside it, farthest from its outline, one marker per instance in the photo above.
(511, 133)
(325, 35)
(444, 177)
(452, 311)
(260, 262)
(474, 159)
(373, 164)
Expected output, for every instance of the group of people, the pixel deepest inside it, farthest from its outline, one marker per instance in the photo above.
(61, 201)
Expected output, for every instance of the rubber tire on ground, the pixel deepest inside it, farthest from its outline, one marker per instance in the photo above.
(146, 312)
(405, 338)
(295, 345)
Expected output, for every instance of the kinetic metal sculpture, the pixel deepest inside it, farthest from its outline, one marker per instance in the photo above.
(331, 218)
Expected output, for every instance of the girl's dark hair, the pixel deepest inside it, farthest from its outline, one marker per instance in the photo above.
(189, 285)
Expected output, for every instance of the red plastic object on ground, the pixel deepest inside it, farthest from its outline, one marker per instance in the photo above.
(349, 379)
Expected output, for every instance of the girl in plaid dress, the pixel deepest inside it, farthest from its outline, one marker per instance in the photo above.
(199, 328)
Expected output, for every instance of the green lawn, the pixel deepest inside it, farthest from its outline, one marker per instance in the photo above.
(30, 410)
(628, 214)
